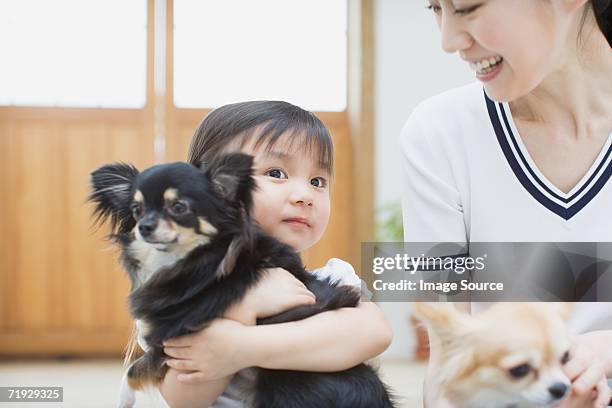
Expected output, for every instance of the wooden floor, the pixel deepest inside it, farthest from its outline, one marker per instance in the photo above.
(95, 384)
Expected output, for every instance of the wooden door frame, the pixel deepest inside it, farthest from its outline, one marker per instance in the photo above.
(361, 120)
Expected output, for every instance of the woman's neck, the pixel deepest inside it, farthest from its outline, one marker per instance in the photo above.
(578, 96)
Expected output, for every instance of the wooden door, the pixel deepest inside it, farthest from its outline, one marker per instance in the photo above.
(62, 290)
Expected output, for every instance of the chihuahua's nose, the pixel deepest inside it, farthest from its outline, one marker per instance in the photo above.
(558, 390)
(147, 226)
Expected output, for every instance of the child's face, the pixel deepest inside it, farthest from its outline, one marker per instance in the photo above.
(292, 199)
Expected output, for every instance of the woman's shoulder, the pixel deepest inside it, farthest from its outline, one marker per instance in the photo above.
(447, 120)
(452, 100)
(448, 110)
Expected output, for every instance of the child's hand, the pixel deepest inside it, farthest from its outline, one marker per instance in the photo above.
(276, 292)
(586, 371)
(210, 354)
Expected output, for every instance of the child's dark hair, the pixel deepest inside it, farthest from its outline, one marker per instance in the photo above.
(265, 121)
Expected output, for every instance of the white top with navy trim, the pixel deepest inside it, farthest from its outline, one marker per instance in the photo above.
(468, 177)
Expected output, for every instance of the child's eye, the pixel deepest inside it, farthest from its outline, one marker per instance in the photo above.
(318, 182)
(276, 173)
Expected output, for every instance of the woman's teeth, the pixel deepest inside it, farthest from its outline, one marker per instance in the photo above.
(486, 65)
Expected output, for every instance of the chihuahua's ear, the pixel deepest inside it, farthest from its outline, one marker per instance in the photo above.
(443, 319)
(231, 176)
(564, 309)
(111, 186)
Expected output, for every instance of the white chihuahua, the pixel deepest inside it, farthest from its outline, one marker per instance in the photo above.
(509, 356)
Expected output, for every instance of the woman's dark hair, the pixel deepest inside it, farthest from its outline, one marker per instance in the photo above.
(603, 15)
(266, 121)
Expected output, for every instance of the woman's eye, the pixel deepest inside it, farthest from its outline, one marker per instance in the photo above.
(136, 210)
(434, 8)
(178, 208)
(467, 10)
(276, 173)
(520, 371)
(318, 182)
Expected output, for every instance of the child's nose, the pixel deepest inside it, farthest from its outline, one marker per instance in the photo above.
(304, 202)
(302, 196)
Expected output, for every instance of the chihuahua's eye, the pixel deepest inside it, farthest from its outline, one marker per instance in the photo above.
(276, 173)
(565, 358)
(178, 208)
(520, 371)
(136, 210)
(318, 182)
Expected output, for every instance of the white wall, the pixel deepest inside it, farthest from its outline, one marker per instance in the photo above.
(409, 67)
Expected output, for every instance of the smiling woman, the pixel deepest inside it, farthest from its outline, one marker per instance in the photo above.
(525, 153)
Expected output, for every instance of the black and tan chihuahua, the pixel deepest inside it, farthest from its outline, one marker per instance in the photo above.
(191, 251)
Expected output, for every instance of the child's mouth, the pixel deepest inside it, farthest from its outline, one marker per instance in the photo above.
(297, 222)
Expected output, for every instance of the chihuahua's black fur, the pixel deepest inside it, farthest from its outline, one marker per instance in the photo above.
(191, 251)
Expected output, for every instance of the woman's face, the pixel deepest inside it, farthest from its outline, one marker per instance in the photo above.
(512, 45)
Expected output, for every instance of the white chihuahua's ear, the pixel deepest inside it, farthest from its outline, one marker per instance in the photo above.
(564, 309)
(442, 318)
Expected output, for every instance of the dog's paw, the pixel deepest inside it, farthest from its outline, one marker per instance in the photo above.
(127, 396)
(128, 402)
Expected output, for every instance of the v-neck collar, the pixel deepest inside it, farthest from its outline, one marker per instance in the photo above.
(565, 205)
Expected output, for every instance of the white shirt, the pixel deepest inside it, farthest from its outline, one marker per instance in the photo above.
(467, 177)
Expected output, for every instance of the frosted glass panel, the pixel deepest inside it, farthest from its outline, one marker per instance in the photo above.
(76, 53)
(234, 50)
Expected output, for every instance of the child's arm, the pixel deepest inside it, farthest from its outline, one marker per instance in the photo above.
(276, 292)
(324, 342)
(179, 395)
(330, 341)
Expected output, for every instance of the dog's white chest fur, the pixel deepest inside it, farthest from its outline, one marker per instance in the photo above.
(152, 260)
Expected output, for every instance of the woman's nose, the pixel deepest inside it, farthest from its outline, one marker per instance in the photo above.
(454, 38)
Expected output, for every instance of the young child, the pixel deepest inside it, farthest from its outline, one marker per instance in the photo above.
(293, 165)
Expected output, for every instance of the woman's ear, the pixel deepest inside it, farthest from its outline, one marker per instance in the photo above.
(572, 6)
(231, 176)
